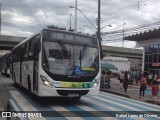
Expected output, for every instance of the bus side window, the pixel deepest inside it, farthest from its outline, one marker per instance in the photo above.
(13, 57)
(26, 51)
(17, 55)
(22, 52)
(31, 49)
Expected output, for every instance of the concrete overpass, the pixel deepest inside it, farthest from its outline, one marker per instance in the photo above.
(122, 52)
(8, 42)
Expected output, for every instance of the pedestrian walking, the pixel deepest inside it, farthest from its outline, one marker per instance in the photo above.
(143, 85)
(146, 75)
(103, 72)
(103, 78)
(150, 77)
(125, 82)
(121, 79)
(118, 75)
(155, 84)
(136, 78)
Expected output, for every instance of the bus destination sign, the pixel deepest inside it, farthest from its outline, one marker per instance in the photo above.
(71, 37)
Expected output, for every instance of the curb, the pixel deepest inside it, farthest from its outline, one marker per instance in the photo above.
(120, 94)
(131, 86)
(127, 96)
(153, 102)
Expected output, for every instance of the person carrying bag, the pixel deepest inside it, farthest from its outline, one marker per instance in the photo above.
(155, 84)
(143, 85)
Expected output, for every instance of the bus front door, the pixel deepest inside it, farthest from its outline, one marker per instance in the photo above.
(35, 65)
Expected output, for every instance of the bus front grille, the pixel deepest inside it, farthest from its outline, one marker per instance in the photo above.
(66, 92)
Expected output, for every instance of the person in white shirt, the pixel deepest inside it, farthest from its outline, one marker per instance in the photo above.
(150, 77)
(121, 79)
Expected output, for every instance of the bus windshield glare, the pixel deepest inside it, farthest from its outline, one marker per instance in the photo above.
(69, 59)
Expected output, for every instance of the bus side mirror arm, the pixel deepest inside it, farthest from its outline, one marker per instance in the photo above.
(38, 43)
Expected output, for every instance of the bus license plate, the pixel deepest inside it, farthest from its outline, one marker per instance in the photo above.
(73, 95)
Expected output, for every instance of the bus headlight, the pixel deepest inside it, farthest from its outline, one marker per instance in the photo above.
(96, 81)
(95, 84)
(45, 81)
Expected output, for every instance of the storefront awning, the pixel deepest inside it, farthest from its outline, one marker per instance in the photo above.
(108, 66)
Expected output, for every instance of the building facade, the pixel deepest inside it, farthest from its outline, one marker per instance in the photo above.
(135, 66)
(132, 65)
(150, 41)
(152, 58)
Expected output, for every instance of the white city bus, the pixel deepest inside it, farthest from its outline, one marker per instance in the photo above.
(57, 63)
(5, 64)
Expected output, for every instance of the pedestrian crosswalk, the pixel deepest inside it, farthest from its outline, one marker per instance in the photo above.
(103, 106)
(124, 101)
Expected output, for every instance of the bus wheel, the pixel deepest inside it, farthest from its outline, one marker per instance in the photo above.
(29, 86)
(15, 84)
(77, 98)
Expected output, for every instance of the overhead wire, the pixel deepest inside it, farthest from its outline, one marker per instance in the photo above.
(146, 22)
(141, 27)
(129, 31)
(119, 13)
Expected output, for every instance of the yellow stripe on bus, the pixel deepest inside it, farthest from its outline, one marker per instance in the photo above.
(88, 69)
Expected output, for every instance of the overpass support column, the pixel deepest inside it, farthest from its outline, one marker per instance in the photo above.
(143, 58)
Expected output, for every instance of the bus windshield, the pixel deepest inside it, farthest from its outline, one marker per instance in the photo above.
(69, 59)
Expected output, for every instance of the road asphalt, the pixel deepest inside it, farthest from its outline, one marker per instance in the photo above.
(132, 92)
(4, 96)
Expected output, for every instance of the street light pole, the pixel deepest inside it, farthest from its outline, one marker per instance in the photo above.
(70, 22)
(75, 19)
(123, 35)
(99, 29)
(84, 16)
(0, 19)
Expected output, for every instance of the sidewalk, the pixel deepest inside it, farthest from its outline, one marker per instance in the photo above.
(132, 92)
(4, 96)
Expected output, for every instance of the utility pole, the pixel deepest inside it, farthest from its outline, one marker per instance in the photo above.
(123, 35)
(99, 29)
(0, 18)
(75, 19)
(138, 5)
(70, 23)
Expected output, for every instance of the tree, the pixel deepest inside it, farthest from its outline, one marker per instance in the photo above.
(55, 27)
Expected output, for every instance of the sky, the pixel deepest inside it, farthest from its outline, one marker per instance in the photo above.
(25, 17)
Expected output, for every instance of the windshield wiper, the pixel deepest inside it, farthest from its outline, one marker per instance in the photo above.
(66, 52)
(82, 53)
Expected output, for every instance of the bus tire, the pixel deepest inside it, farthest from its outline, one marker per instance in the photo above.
(15, 84)
(77, 98)
(29, 87)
